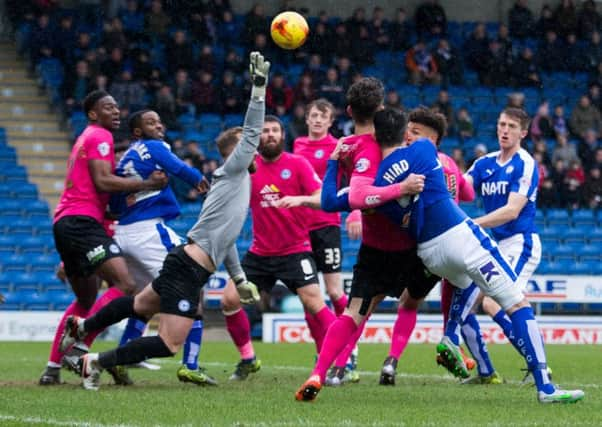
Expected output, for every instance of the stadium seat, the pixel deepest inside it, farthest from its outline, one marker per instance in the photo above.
(577, 234)
(594, 235)
(583, 217)
(33, 245)
(12, 301)
(563, 251)
(44, 262)
(60, 299)
(589, 252)
(558, 217)
(15, 262)
(551, 234)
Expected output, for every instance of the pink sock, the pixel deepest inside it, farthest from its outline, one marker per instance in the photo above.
(402, 330)
(324, 319)
(336, 338)
(109, 295)
(447, 292)
(239, 329)
(339, 305)
(317, 333)
(343, 356)
(74, 309)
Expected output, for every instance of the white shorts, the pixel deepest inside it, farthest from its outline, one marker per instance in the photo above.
(466, 254)
(145, 244)
(523, 252)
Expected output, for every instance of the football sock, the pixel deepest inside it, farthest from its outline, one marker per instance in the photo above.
(339, 305)
(471, 332)
(402, 331)
(113, 312)
(75, 309)
(108, 296)
(447, 292)
(135, 351)
(317, 333)
(239, 329)
(192, 346)
(462, 302)
(336, 339)
(531, 346)
(324, 319)
(343, 357)
(502, 319)
(133, 329)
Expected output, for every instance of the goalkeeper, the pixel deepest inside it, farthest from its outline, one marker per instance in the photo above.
(175, 293)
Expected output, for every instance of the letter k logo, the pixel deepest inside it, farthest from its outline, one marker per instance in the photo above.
(488, 270)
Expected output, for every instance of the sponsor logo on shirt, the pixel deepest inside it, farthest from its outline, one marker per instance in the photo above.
(270, 194)
(104, 148)
(285, 174)
(493, 188)
(319, 154)
(184, 305)
(509, 169)
(362, 165)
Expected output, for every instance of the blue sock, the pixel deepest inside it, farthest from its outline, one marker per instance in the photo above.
(502, 319)
(134, 329)
(192, 347)
(461, 304)
(471, 332)
(530, 342)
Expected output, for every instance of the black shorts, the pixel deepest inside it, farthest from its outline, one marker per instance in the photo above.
(388, 273)
(326, 247)
(83, 244)
(179, 284)
(294, 270)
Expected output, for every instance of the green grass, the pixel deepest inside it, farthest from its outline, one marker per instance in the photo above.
(424, 394)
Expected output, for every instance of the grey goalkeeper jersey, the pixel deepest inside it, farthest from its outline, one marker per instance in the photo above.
(227, 203)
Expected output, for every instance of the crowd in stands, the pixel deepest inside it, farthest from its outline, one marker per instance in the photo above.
(185, 59)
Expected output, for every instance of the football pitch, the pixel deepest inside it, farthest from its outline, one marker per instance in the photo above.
(424, 395)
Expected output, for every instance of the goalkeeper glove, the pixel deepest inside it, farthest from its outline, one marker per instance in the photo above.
(247, 291)
(258, 69)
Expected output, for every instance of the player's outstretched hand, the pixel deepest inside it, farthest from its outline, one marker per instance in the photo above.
(248, 293)
(259, 70)
(413, 184)
(157, 180)
(289, 202)
(337, 150)
(203, 186)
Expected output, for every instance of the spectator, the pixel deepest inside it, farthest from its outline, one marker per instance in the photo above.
(204, 94)
(540, 148)
(566, 18)
(83, 44)
(101, 82)
(127, 92)
(547, 195)
(503, 38)
(296, 127)
(196, 154)
(589, 19)
(227, 31)
(557, 176)
(430, 19)
(321, 41)
(113, 35)
(133, 20)
(594, 95)
(113, 65)
(542, 168)
(559, 122)
(178, 53)
(64, 39)
(494, 68)
(331, 88)
(574, 180)
(476, 47)
(592, 190)
(184, 193)
(165, 106)
(458, 156)
(541, 125)
(279, 95)
(207, 61)
(234, 63)
(400, 31)
(444, 106)
(355, 23)
(77, 85)
(346, 71)
(42, 38)
(593, 53)
(342, 40)
(362, 48)
(304, 91)
(525, 71)
(585, 117)
(156, 21)
(546, 22)
(564, 151)
(464, 124)
(516, 100)
(421, 65)
(255, 23)
(550, 54)
(575, 59)
(379, 30)
(204, 26)
(261, 44)
(479, 151)
(230, 95)
(448, 63)
(392, 100)
(182, 90)
(209, 167)
(520, 20)
(597, 162)
(315, 69)
(588, 148)
(142, 69)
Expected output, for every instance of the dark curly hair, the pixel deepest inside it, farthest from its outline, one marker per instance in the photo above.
(431, 119)
(365, 98)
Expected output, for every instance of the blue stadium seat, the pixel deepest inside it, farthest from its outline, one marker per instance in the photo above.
(33, 245)
(35, 301)
(25, 191)
(563, 251)
(60, 299)
(595, 235)
(44, 262)
(558, 217)
(581, 268)
(12, 301)
(25, 282)
(584, 217)
(15, 262)
(551, 234)
(576, 234)
(589, 252)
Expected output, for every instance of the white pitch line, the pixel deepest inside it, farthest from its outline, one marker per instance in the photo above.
(50, 421)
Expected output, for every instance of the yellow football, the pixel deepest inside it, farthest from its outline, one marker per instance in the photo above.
(289, 30)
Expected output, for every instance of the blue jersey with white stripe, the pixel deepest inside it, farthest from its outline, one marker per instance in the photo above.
(495, 181)
(142, 158)
(429, 213)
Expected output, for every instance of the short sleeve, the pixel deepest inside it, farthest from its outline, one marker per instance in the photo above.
(309, 179)
(99, 146)
(366, 160)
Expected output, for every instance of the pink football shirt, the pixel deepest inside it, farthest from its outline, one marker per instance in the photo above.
(459, 189)
(278, 231)
(317, 153)
(360, 156)
(80, 196)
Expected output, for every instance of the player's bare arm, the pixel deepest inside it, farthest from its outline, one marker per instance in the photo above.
(106, 181)
(508, 212)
